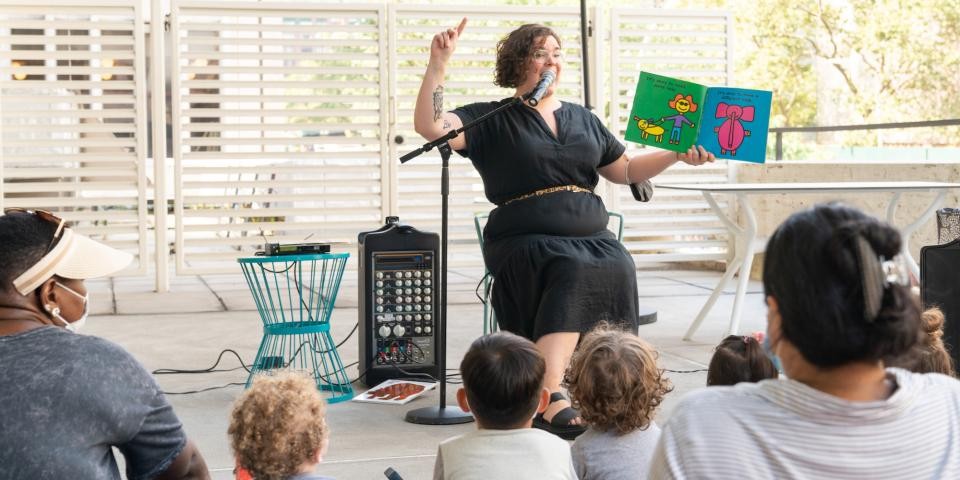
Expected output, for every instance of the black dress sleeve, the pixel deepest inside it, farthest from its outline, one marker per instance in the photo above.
(475, 136)
(611, 148)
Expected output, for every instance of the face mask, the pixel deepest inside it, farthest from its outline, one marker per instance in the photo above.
(768, 350)
(78, 323)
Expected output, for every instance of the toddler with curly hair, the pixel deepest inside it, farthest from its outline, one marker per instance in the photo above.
(931, 354)
(614, 381)
(277, 428)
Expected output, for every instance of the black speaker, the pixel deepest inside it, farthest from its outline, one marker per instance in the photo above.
(398, 302)
(940, 287)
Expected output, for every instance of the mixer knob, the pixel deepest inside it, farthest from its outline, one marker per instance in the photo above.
(417, 282)
(427, 317)
(426, 274)
(379, 300)
(408, 317)
(384, 331)
(417, 299)
(427, 290)
(379, 283)
(418, 317)
(408, 291)
(427, 329)
(427, 307)
(417, 307)
(379, 274)
(398, 330)
(417, 274)
(409, 308)
(379, 318)
(379, 308)
(398, 291)
(427, 299)
(426, 282)
(417, 291)
(408, 274)
(417, 330)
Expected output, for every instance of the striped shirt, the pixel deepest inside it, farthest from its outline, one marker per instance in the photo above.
(785, 429)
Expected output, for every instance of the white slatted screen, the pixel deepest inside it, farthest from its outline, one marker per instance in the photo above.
(285, 116)
(73, 119)
(469, 79)
(674, 226)
(279, 126)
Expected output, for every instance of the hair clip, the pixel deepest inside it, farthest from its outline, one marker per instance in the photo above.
(894, 271)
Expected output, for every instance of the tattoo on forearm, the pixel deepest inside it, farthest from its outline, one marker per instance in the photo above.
(437, 103)
(446, 124)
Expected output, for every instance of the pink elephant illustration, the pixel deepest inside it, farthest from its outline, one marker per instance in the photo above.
(730, 133)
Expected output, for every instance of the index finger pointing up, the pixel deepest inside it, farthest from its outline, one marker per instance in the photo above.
(463, 23)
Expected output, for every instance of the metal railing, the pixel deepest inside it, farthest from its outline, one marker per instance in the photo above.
(779, 131)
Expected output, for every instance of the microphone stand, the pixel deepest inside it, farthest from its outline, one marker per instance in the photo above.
(442, 414)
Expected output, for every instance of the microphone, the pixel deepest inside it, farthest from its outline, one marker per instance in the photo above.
(392, 474)
(533, 98)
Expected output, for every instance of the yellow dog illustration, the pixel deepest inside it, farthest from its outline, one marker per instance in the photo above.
(649, 128)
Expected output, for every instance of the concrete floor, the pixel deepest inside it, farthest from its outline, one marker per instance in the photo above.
(201, 316)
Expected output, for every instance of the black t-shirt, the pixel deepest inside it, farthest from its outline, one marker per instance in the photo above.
(516, 153)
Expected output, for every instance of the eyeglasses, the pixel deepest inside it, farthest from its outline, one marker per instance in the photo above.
(45, 216)
(540, 56)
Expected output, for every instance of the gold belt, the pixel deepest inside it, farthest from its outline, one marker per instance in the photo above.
(545, 191)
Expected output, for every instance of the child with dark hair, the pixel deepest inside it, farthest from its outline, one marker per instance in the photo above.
(931, 355)
(614, 381)
(503, 387)
(739, 358)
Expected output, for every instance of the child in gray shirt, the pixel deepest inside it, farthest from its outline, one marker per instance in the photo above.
(615, 383)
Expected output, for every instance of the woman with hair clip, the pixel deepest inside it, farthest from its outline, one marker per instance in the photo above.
(838, 302)
(557, 270)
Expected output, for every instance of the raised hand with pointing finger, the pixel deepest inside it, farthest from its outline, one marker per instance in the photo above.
(445, 42)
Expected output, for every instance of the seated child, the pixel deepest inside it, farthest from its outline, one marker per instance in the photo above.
(503, 387)
(277, 428)
(739, 358)
(614, 382)
(930, 355)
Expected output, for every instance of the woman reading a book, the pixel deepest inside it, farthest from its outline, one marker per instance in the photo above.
(558, 271)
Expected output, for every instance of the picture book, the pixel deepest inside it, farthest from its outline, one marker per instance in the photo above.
(674, 114)
(396, 392)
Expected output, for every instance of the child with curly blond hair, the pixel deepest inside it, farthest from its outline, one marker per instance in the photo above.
(616, 385)
(277, 428)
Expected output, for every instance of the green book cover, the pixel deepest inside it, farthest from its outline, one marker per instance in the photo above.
(666, 112)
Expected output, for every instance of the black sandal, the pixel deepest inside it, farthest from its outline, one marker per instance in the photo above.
(560, 425)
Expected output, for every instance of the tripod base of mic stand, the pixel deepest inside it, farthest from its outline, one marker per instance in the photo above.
(443, 415)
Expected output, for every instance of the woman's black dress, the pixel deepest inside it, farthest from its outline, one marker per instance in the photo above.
(555, 265)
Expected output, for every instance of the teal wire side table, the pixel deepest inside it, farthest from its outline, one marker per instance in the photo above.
(294, 295)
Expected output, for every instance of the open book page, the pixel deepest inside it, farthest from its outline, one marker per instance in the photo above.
(735, 122)
(396, 392)
(666, 112)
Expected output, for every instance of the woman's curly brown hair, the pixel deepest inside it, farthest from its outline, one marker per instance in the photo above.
(614, 381)
(278, 425)
(515, 50)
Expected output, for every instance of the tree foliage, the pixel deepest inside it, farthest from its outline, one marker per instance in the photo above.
(850, 61)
